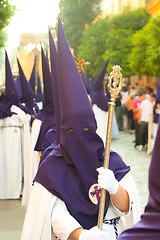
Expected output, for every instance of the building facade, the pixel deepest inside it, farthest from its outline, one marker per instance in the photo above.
(29, 48)
(153, 7)
(113, 7)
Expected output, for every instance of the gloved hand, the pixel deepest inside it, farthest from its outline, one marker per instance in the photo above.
(92, 234)
(107, 180)
(14, 109)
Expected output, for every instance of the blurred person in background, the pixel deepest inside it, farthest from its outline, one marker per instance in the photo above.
(136, 105)
(118, 111)
(146, 109)
(125, 95)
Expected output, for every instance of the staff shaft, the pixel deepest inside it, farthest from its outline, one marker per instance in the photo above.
(106, 160)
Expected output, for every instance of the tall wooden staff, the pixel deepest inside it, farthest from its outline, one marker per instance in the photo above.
(114, 87)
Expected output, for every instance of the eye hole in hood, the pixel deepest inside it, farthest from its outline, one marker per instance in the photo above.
(72, 129)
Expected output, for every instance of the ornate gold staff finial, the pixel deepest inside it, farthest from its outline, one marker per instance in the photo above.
(114, 87)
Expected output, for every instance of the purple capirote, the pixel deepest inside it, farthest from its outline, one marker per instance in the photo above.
(48, 120)
(32, 80)
(70, 169)
(149, 225)
(11, 95)
(55, 84)
(27, 94)
(99, 98)
(156, 116)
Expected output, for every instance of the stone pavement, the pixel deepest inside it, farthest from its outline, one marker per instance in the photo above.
(12, 213)
(139, 162)
(11, 219)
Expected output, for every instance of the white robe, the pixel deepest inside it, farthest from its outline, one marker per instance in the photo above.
(102, 121)
(31, 163)
(11, 153)
(48, 218)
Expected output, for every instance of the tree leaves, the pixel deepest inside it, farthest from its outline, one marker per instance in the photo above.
(111, 38)
(6, 12)
(76, 15)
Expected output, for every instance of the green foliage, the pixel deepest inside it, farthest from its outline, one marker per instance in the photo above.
(3, 38)
(93, 45)
(145, 55)
(75, 14)
(111, 38)
(6, 12)
(118, 46)
(119, 41)
(134, 20)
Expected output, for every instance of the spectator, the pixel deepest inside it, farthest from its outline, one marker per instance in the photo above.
(136, 104)
(118, 111)
(148, 91)
(132, 91)
(124, 108)
(146, 109)
(129, 104)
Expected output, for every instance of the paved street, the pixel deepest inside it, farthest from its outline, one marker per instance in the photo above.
(138, 161)
(12, 213)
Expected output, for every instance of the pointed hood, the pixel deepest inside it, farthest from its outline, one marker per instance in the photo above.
(39, 99)
(47, 56)
(72, 102)
(98, 84)
(149, 225)
(55, 84)
(157, 92)
(86, 83)
(99, 98)
(18, 87)
(49, 141)
(48, 120)
(32, 79)
(11, 96)
(156, 116)
(81, 147)
(27, 94)
(47, 85)
(154, 184)
(70, 169)
(39, 94)
(32, 82)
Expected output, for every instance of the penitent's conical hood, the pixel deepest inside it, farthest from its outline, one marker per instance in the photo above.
(98, 84)
(11, 91)
(149, 225)
(73, 96)
(39, 94)
(32, 79)
(154, 183)
(157, 92)
(26, 90)
(47, 84)
(11, 95)
(98, 97)
(55, 83)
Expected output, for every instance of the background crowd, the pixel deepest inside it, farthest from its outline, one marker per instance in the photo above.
(135, 111)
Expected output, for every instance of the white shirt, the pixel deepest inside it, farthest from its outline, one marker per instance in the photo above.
(146, 107)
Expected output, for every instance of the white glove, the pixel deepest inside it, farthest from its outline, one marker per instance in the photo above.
(92, 234)
(107, 180)
(14, 109)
